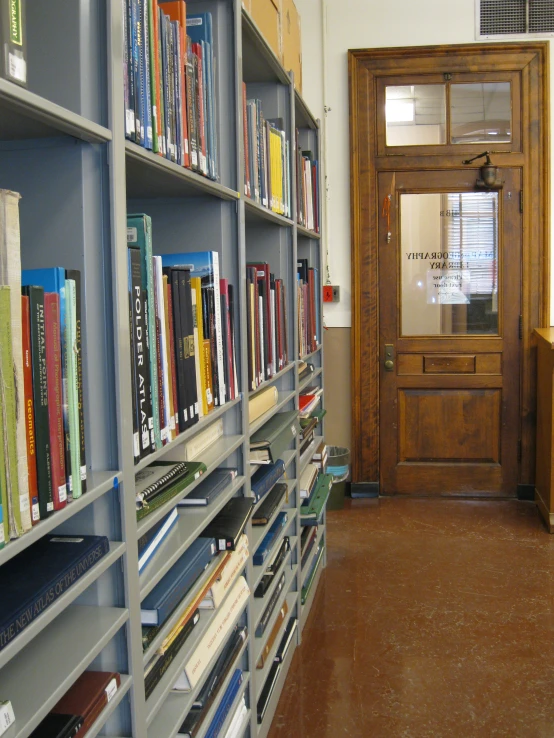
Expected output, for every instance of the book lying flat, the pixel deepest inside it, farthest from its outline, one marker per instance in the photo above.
(270, 607)
(286, 640)
(311, 512)
(161, 662)
(210, 489)
(318, 556)
(225, 705)
(166, 595)
(268, 541)
(270, 441)
(229, 524)
(308, 479)
(154, 479)
(149, 543)
(233, 567)
(265, 511)
(273, 635)
(267, 691)
(88, 696)
(265, 477)
(34, 579)
(194, 470)
(273, 569)
(58, 726)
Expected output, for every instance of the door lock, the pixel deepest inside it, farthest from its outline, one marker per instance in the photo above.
(389, 357)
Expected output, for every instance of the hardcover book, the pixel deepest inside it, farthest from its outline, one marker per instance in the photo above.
(30, 432)
(270, 607)
(40, 574)
(265, 477)
(88, 696)
(58, 726)
(273, 635)
(270, 441)
(233, 567)
(287, 640)
(268, 541)
(149, 543)
(210, 489)
(263, 514)
(310, 510)
(229, 524)
(225, 705)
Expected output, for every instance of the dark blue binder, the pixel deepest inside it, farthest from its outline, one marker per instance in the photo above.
(225, 705)
(269, 539)
(33, 580)
(265, 478)
(166, 595)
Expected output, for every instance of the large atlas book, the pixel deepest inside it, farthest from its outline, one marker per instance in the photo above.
(38, 576)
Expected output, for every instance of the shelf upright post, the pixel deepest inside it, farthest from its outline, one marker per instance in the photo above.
(124, 451)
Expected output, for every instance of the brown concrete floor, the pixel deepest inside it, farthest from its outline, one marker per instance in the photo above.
(434, 618)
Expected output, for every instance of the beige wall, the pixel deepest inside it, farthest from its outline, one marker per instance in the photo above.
(336, 367)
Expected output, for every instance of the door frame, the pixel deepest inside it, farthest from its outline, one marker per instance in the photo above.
(365, 67)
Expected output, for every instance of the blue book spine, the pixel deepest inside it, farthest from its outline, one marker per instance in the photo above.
(20, 615)
(269, 539)
(266, 477)
(225, 705)
(146, 72)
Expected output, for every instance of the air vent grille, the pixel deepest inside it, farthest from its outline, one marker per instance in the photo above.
(498, 18)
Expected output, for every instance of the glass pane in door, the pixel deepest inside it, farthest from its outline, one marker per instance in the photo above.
(449, 263)
(415, 115)
(481, 112)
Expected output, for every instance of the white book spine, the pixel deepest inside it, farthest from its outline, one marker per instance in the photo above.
(262, 344)
(202, 440)
(218, 335)
(273, 335)
(235, 564)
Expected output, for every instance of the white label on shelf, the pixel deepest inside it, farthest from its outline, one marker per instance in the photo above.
(293, 431)
(83, 473)
(49, 507)
(7, 716)
(132, 234)
(17, 68)
(136, 444)
(111, 689)
(35, 513)
(129, 122)
(62, 493)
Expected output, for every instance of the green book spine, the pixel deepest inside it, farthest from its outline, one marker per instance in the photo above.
(196, 468)
(7, 411)
(13, 56)
(72, 392)
(75, 275)
(2, 537)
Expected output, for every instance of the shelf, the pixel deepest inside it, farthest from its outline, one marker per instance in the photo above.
(98, 483)
(256, 213)
(213, 457)
(259, 642)
(261, 674)
(150, 175)
(190, 523)
(187, 435)
(25, 115)
(306, 382)
(282, 399)
(37, 626)
(274, 378)
(306, 233)
(259, 531)
(307, 357)
(305, 608)
(259, 570)
(259, 63)
(44, 671)
(238, 697)
(111, 707)
(155, 717)
(288, 457)
(302, 114)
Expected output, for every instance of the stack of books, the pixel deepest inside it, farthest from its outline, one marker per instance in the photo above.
(308, 400)
(42, 431)
(313, 505)
(269, 442)
(267, 178)
(307, 188)
(183, 341)
(266, 324)
(309, 307)
(161, 481)
(170, 83)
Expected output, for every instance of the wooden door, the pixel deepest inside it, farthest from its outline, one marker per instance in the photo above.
(449, 307)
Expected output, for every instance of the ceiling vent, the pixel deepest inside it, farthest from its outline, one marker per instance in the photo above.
(514, 18)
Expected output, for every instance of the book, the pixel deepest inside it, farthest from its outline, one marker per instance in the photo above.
(270, 607)
(268, 645)
(87, 697)
(312, 573)
(213, 637)
(75, 487)
(10, 276)
(229, 524)
(308, 479)
(264, 478)
(30, 433)
(152, 540)
(58, 726)
(273, 569)
(263, 514)
(166, 595)
(203, 440)
(262, 402)
(7, 716)
(287, 640)
(268, 541)
(267, 692)
(221, 668)
(269, 442)
(13, 39)
(75, 276)
(310, 510)
(233, 567)
(239, 720)
(157, 477)
(225, 705)
(40, 574)
(210, 489)
(307, 542)
(194, 470)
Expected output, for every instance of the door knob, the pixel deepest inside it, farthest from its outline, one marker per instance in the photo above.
(389, 365)
(389, 357)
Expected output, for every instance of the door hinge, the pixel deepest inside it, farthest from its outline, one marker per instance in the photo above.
(519, 450)
(521, 201)
(520, 327)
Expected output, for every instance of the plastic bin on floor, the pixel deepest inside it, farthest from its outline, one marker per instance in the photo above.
(338, 464)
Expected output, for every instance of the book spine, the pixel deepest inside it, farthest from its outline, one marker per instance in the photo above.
(75, 275)
(162, 417)
(172, 355)
(179, 353)
(137, 70)
(40, 396)
(130, 122)
(29, 409)
(191, 107)
(146, 81)
(262, 625)
(208, 377)
(73, 397)
(54, 379)
(219, 340)
(171, 87)
(263, 487)
(151, 56)
(188, 338)
(183, 91)
(167, 357)
(203, 440)
(134, 378)
(176, 83)
(197, 51)
(246, 157)
(50, 593)
(140, 358)
(163, 664)
(197, 353)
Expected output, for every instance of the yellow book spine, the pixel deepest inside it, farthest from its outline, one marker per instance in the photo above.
(196, 285)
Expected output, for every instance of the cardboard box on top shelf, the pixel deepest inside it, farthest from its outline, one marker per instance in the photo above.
(266, 15)
(291, 41)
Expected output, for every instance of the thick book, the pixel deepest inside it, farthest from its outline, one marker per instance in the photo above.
(234, 566)
(194, 470)
(38, 576)
(225, 705)
(221, 668)
(213, 637)
(286, 640)
(268, 541)
(202, 441)
(210, 489)
(40, 399)
(271, 440)
(160, 664)
(310, 510)
(263, 514)
(10, 276)
(55, 398)
(13, 38)
(273, 569)
(88, 696)
(312, 573)
(261, 403)
(270, 607)
(264, 478)
(308, 479)
(30, 433)
(229, 524)
(166, 595)
(283, 612)
(58, 726)
(149, 543)
(267, 691)
(156, 478)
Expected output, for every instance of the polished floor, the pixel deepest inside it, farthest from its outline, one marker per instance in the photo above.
(434, 618)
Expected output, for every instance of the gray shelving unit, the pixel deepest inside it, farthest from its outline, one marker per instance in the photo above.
(63, 147)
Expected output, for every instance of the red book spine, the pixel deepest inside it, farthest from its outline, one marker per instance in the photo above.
(259, 370)
(55, 397)
(247, 190)
(172, 358)
(197, 50)
(278, 323)
(29, 409)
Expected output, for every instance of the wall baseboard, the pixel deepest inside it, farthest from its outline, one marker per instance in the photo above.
(364, 489)
(526, 492)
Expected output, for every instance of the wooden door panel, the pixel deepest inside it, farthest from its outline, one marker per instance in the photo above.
(448, 364)
(456, 426)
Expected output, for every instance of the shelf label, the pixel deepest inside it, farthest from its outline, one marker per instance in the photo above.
(111, 689)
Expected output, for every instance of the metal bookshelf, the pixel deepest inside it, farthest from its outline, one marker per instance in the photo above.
(62, 146)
